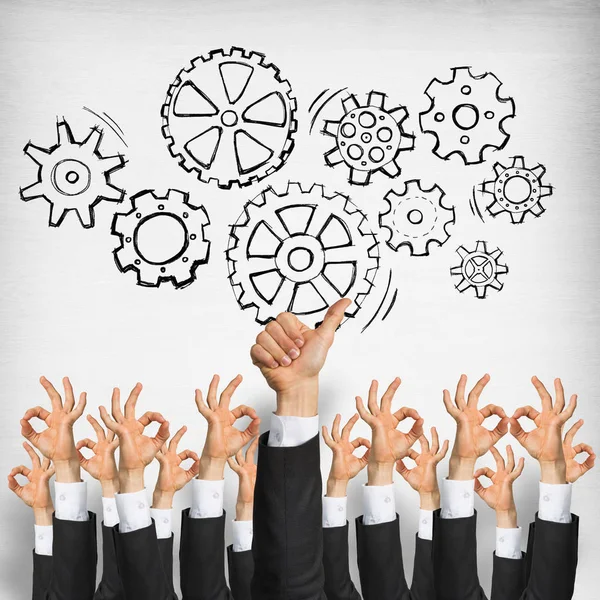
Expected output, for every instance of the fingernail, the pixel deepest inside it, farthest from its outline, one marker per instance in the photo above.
(299, 343)
(285, 361)
(294, 353)
(274, 365)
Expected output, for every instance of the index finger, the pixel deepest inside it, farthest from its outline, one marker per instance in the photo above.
(477, 390)
(132, 401)
(176, 439)
(229, 390)
(251, 450)
(100, 433)
(116, 406)
(543, 393)
(347, 430)
(35, 459)
(69, 396)
(54, 396)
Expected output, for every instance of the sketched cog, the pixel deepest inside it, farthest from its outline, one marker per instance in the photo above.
(73, 175)
(479, 269)
(301, 251)
(142, 232)
(517, 190)
(467, 115)
(416, 218)
(230, 117)
(368, 138)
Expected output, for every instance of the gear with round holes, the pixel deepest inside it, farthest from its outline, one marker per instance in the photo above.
(479, 269)
(517, 190)
(300, 251)
(368, 138)
(467, 115)
(230, 117)
(416, 218)
(73, 176)
(162, 238)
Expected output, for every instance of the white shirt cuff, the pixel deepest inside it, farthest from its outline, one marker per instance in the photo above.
(71, 501)
(508, 543)
(134, 511)
(110, 514)
(242, 536)
(555, 502)
(458, 499)
(287, 432)
(334, 511)
(425, 524)
(162, 522)
(43, 539)
(207, 498)
(379, 504)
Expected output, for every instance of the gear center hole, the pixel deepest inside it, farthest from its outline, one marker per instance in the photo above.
(72, 177)
(229, 118)
(300, 259)
(415, 217)
(160, 239)
(466, 116)
(517, 189)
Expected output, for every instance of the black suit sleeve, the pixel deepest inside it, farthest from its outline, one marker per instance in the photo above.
(508, 578)
(288, 536)
(338, 583)
(422, 587)
(110, 587)
(165, 547)
(241, 569)
(42, 575)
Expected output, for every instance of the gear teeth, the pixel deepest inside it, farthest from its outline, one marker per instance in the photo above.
(333, 157)
(350, 103)
(539, 171)
(65, 137)
(38, 155)
(94, 139)
(518, 162)
(376, 99)
(392, 169)
(358, 177)
(499, 168)
(399, 113)
(331, 128)
(35, 190)
(479, 269)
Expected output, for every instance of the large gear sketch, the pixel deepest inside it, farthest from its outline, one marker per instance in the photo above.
(416, 217)
(73, 176)
(230, 117)
(467, 115)
(517, 190)
(368, 138)
(143, 232)
(301, 251)
(479, 269)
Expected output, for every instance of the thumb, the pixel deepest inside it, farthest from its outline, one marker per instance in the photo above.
(334, 316)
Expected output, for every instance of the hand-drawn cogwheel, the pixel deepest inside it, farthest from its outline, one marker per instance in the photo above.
(416, 218)
(479, 269)
(300, 251)
(230, 117)
(467, 115)
(73, 176)
(368, 138)
(153, 264)
(517, 190)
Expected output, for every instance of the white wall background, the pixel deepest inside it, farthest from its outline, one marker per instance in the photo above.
(65, 308)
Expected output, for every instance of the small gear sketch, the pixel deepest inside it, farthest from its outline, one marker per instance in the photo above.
(230, 117)
(73, 176)
(417, 218)
(517, 190)
(479, 269)
(301, 251)
(368, 138)
(467, 115)
(162, 238)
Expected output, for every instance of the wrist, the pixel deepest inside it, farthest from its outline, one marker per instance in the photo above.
(131, 480)
(68, 470)
(244, 511)
(429, 500)
(506, 519)
(110, 487)
(461, 468)
(554, 472)
(212, 469)
(337, 488)
(162, 499)
(299, 400)
(380, 473)
(43, 516)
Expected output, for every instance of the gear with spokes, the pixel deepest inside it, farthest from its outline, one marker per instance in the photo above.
(301, 251)
(230, 117)
(416, 218)
(479, 269)
(368, 138)
(466, 115)
(162, 238)
(73, 176)
(517, 190)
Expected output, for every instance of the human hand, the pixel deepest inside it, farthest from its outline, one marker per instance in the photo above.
(576, 469)
(223, 440)
(472, 438)
(246, 472)
(545, 443)
(388, 444)
(499, 495)
(423, 477)
(57, 442)
(344, 465)
(36, 493)
(136, 449)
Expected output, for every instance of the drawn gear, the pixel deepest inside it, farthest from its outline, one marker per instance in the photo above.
(368, 138)
(73, 176)
(467, 115)
(527, 190)
(416, 218)
(230, 117)
(179, 266)
(479, 269)
(301, 251)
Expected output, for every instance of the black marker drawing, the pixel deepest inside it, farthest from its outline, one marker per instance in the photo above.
(474, 206)
(467, 115)
(416, 217)
(368, 138)
(162, 238)
(301, 251)
(230, 117)
(517, 190)
(73, 175)
(479, 269)
(319, 103)
(108, 120)
(389, 298)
